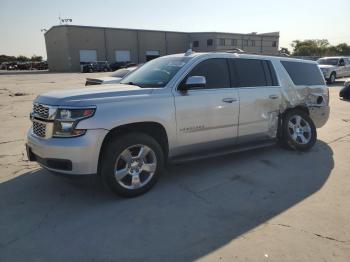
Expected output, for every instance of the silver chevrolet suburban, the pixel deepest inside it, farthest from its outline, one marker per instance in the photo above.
(177, 107)
(334, 67)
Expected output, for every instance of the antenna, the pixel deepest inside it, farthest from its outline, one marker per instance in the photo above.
(64, 21)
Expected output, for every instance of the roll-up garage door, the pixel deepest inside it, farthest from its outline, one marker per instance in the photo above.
(88, 56)
(122, 56)
(152, 55)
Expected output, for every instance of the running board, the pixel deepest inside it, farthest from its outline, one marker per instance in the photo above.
(226, 151)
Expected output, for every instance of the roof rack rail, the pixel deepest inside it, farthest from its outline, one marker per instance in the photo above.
(248, 53)
(234, 50)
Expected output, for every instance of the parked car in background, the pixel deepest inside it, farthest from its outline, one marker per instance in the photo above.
(118, 65)
(100, 66)
(178, 107)
(39, 65)
(114, 78)
(345, 91)
(3, 66)
(24, 65)
(334, 67)
(12, 66)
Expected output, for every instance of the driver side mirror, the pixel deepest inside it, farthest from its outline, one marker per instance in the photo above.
(193, 82)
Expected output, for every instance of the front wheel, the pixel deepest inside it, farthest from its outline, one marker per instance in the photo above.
(131, 164)
(299, 131)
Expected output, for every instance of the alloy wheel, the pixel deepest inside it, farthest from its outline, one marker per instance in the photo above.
(135, 166)
(299, 130)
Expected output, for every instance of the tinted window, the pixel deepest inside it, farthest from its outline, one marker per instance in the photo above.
(215, 71)
(156, 73)
(195, 43)
(250, 72)
(303, 73)
(210, 42)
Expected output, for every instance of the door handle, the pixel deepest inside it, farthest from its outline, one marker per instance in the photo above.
(229, 100)
(273, 96)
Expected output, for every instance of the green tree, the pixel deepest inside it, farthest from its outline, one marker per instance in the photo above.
(319, 47)
(343, 49)
(284, 50)
(22, 58)
(6, 58)
(36, 58)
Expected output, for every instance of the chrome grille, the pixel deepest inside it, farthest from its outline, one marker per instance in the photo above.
(41, 111)
(39, 129)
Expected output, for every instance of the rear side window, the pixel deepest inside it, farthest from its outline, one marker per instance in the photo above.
(250, 72)
(303, 73)
(215, 71)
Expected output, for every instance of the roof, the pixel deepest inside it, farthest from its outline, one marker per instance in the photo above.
(164, 31)
(240, 55)
(336, 57)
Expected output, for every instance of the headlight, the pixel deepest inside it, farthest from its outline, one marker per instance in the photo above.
(67, 119)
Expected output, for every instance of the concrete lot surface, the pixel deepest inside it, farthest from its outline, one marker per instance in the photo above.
(263, 205)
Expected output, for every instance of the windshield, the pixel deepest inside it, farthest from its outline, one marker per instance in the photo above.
(156, 73)
(328, 61)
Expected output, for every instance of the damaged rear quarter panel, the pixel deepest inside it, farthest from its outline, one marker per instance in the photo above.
(314, 98)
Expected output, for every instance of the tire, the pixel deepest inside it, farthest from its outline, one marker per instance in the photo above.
(298, 130)
(126, 170)
(331, 79)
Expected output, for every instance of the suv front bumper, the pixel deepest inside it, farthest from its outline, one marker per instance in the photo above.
(76, 155)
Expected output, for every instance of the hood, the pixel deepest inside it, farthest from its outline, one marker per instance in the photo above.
(108, 79)
(91, 95)
(326, 66)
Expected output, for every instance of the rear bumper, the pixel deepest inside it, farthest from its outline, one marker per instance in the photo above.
(319, 115)
(78, 155)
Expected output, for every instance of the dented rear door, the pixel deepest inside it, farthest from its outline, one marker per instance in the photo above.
(260, 99)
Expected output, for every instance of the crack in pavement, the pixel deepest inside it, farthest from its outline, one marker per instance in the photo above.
(195, 194)
(337, 139)
(35, 227)
(2, 156)
(11, 141)
(315, 234)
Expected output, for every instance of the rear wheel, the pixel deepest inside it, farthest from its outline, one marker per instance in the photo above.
(131, 164)
(299, 131)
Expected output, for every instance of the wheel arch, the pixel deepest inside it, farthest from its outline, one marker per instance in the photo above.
(153, 129)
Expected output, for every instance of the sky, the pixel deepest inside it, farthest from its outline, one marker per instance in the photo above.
(21, 21)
